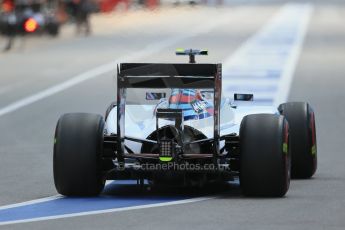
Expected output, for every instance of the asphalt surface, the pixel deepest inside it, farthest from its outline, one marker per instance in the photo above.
(26, 136)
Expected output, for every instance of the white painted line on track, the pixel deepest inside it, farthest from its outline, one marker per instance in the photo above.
(45, 199)
(36, 201)
(186, 201)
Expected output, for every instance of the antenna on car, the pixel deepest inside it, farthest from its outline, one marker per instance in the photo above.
(191, 53)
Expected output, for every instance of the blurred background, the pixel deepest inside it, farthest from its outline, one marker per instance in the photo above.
(19, 18)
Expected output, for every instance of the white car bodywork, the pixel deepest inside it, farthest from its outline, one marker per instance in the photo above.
(140, 120)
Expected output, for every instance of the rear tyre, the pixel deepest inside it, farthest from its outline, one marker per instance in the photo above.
(264, 155)
(77, 155)
(301, 119)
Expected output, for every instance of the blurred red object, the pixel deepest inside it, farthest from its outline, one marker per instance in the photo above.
(30, 25)
(7, 5)
(110, 5)
(152, 4)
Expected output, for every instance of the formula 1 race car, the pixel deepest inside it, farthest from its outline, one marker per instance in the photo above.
(170, 125)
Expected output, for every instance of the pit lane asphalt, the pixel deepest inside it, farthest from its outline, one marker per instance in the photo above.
(26, 134)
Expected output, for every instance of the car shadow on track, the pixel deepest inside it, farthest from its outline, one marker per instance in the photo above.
(128, 189)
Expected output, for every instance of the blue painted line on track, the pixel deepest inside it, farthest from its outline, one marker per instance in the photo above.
(63, 206)
(68, 205)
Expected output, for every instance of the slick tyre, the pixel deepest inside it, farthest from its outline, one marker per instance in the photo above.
(301, 119)
(77, 150)
(264, 155)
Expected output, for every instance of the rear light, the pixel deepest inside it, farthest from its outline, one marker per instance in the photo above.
(166, 148)
(30, 25)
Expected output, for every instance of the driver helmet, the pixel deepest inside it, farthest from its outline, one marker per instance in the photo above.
(192, 102)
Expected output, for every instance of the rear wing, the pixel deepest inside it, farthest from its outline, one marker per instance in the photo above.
(149, 75)
(165, 75)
